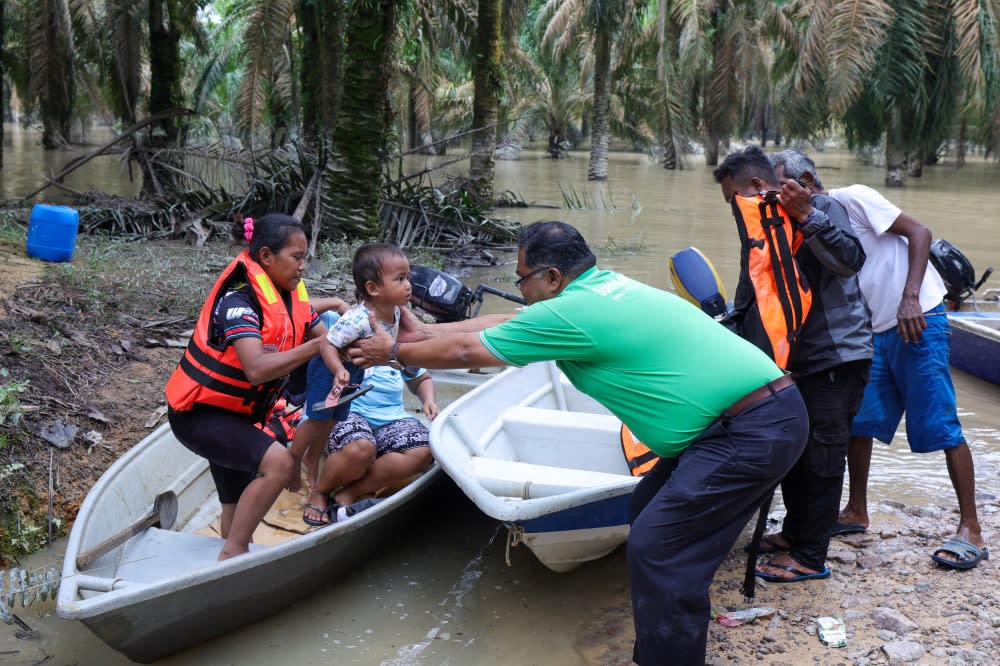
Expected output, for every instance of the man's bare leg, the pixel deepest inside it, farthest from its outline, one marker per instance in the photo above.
(963, 477)
(859, 462)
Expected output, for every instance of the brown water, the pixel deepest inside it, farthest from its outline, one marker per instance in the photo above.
(443, 594)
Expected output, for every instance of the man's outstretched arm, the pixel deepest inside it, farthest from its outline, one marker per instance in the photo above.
(451, 350)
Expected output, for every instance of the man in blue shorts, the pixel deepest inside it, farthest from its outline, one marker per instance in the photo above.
(725, 421)
(910, 369)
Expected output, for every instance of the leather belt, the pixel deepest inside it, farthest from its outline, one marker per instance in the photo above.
(756, 395)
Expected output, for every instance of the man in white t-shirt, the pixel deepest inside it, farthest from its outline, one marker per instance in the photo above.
(910, 370)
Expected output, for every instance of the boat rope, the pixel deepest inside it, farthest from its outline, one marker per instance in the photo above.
(515, 536)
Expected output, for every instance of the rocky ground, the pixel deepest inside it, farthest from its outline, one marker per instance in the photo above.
(96, 340)
(899, 606)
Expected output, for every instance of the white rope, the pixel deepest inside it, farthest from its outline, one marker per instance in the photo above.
(515, 535)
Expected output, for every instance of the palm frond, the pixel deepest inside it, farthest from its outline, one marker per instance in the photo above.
(266, 26)
(562, 27)
(855, 32)
(969, 18)
(126, 17)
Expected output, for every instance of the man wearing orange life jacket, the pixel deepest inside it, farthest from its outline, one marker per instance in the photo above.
(828, 350)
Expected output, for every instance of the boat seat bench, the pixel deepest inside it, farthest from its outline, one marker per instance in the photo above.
(509, 478)
(596, 439)
(540, 436)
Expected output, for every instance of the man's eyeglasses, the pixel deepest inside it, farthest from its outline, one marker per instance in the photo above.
(518, 282)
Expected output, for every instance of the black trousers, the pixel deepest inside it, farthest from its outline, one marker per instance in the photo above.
(687, 513)
(811, 490)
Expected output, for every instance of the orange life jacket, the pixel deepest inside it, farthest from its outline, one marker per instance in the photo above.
(638, 456)
(210, 373)
(282, 422)
(783, 295)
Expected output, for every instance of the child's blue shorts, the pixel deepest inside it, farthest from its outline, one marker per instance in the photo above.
(912, 377)
(319, 381)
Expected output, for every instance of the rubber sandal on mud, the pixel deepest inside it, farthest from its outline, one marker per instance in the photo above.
(969, 554)
(800, 574)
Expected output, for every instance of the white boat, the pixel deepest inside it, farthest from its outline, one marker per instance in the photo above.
(163, 590)
(535, 453)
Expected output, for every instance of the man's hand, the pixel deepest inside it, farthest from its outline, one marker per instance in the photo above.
(796, 200)
(373, 350)
(910, 319)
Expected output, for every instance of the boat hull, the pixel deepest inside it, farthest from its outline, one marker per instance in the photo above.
(975, 344)
(566, 539)
(176, 617)
(163, 591)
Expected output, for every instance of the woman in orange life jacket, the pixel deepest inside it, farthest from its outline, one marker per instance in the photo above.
(255, 328)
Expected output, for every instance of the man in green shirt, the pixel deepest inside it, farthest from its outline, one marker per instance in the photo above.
(724, 419)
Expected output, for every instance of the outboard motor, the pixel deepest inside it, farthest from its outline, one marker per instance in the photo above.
(956, 271)
(697, 281)
(444, 296)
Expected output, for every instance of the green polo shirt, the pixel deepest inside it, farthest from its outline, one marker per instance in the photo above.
(657, 362)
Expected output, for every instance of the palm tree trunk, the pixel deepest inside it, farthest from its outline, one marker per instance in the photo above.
(423, 137)
(127, 63)
(282, 106)
(322, 49)
(600, 136)
(164, 94)
(670, 160)
(963, 130)
(665, 58)
(487, 76)
(56, 83)
(364, 118)
(3, 77)
(711, 150)
(895, 164)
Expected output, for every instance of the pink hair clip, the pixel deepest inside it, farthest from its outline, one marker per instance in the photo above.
(248, 229)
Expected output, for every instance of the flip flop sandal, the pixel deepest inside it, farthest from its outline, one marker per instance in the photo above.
(842, 529)
(345, 395)
(800, 575)
(970, 555)
(323, 512)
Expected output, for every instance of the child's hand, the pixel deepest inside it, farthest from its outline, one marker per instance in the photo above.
(342, 378)
(431, 410)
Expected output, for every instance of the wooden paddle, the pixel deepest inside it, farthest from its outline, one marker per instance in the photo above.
(164, 514)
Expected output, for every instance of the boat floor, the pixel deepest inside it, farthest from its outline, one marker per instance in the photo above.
(282, 522)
